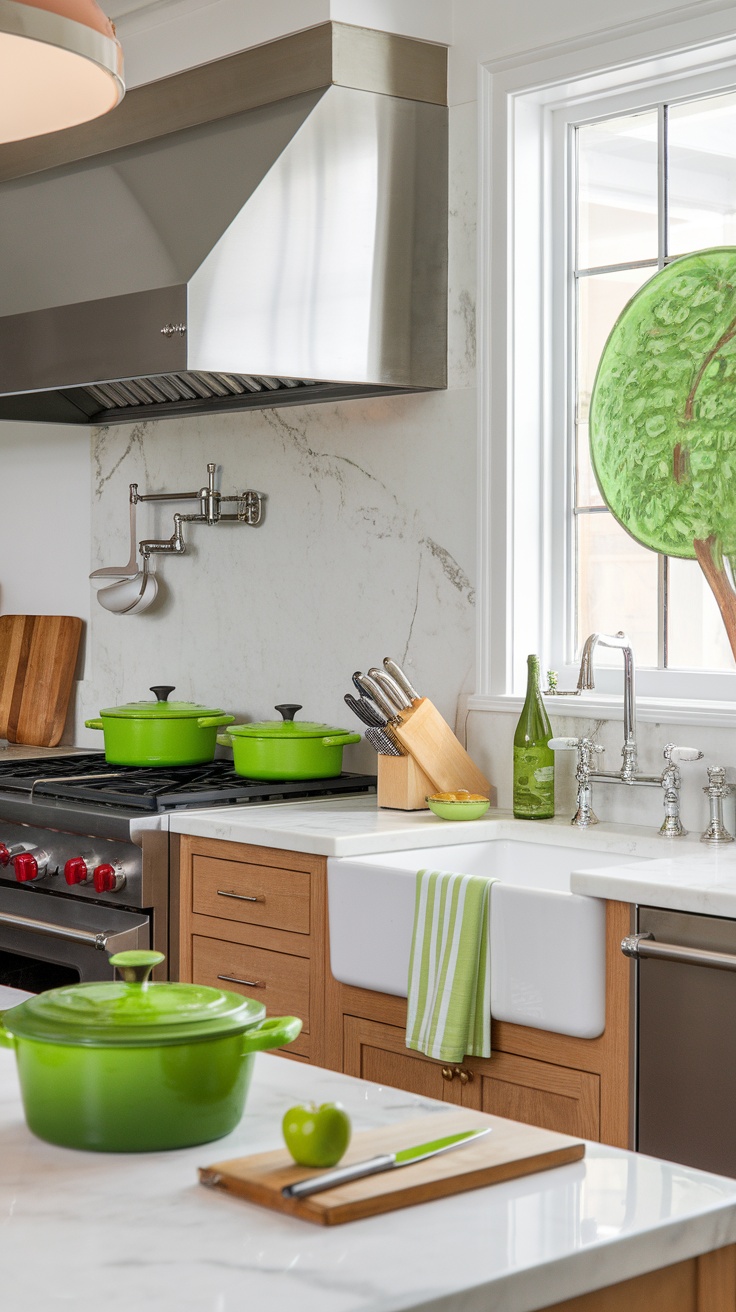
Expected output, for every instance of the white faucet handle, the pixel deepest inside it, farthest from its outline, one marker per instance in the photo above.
(675, 754)
(564, 744)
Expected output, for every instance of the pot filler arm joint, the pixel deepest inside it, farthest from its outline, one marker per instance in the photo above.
(249, 510)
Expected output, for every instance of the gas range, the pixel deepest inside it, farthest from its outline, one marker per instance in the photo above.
(84, 855)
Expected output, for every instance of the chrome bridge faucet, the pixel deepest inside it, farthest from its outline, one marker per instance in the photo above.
(586, 774)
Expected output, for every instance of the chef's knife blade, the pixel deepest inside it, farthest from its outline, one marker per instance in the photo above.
(386, 1162)
(369, 685)
(397, 673)
(391, 688)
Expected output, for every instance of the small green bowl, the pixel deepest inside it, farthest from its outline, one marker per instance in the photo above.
(458, 810)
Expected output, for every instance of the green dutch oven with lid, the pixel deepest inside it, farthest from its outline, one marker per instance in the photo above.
(134, 1065)
(287, 748)
(160, 732)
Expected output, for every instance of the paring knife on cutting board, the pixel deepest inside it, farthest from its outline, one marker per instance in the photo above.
(374, 1165)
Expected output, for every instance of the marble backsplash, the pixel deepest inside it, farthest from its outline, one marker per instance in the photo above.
(366, 549)
(489, 738)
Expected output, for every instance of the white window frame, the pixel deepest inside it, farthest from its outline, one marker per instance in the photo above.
(525, 257)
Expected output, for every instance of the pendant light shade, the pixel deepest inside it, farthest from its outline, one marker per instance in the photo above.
(60, 64)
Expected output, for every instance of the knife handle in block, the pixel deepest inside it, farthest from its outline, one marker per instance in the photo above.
(438, 753)
(402, 785)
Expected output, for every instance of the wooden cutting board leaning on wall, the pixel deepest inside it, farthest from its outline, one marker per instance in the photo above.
(38, 657)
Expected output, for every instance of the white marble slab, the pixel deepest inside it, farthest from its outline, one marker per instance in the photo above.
(84, 1230)
(703, 881)
(355, 826)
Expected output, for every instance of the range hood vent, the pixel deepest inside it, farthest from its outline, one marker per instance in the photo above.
(266, 230)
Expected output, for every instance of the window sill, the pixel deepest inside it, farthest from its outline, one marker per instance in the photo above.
(599, 706)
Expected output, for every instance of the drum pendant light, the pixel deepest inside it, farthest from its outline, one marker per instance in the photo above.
(60, 64)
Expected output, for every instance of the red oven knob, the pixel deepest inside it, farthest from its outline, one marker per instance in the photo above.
(108, 879)
(76, 870)
(26, 867)
(7, 853)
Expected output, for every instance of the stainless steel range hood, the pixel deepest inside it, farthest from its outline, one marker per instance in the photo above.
(265, 230)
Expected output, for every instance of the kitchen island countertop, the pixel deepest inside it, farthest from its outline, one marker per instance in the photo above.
(85, 1229)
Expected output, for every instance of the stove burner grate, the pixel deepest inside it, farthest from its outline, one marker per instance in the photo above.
(88, 777)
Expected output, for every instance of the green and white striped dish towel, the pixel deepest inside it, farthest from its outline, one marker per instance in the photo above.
(449, 1009)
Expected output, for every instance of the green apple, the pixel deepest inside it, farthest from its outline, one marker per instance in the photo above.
(317, 1136)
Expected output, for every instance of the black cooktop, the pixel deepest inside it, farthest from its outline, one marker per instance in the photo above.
(88, 778)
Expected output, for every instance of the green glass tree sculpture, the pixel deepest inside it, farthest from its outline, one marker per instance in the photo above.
(663, 418)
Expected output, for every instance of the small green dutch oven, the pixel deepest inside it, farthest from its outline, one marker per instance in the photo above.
(160, 732)
(135, 1066)
(287, 749)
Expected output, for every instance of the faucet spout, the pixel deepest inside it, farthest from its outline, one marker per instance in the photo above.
(586, 683)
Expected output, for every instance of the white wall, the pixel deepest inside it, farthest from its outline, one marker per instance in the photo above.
(44, 519)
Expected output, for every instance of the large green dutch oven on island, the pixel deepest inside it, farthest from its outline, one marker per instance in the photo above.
(160, 732)
(287, 748)
(137, 1066)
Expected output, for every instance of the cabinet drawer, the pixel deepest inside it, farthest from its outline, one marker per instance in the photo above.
(257, 895)
(279, 981)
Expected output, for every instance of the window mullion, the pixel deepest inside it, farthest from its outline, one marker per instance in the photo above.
(662, 249)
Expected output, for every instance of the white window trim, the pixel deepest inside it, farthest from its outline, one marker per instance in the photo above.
(523, 565)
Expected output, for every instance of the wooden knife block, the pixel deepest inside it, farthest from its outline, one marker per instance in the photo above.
(402, 786)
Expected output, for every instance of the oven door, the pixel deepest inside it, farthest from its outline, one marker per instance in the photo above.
(48, 941)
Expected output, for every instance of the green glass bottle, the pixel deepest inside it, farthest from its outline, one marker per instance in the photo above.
(534, 760)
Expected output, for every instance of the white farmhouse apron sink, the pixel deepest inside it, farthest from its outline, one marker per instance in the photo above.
(547, 944)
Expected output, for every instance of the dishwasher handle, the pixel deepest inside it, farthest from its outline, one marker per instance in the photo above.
(645, 946)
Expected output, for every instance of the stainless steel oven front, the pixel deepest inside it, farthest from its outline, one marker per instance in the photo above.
(68, 901)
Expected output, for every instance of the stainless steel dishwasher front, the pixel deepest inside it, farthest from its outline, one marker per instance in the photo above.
(686, 1038)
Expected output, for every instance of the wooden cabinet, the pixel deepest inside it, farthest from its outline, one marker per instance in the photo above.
(576, 1086)
(535, 1092)
(378, 1052)
(252, 919)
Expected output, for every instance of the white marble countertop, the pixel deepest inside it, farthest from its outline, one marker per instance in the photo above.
(681, 873)
(703, 882)
(137, 1231)
(21, 752)
(356, 826)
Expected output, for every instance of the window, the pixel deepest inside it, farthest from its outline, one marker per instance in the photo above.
(598, 166)
(646, 187)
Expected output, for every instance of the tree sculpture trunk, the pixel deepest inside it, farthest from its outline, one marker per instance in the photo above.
(710, 559)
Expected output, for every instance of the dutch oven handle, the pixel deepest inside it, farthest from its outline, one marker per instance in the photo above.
(340, 739)
(214, 721)
(93, 724)
(272, 1033)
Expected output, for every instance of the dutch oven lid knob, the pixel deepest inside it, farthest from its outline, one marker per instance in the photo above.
(288, 710)
(162, 691)
(136, 966)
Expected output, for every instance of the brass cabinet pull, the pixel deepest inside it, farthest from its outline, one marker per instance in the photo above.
(249, 983)
(239, 897)
(447, 1073)
(465, 1076)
